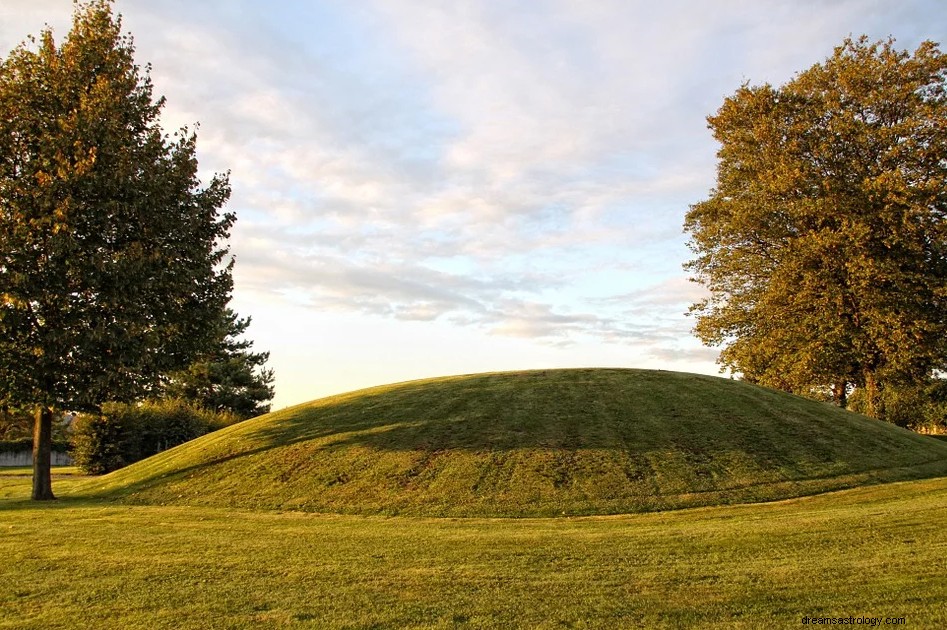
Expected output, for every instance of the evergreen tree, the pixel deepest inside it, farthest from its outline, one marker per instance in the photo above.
(231, 378)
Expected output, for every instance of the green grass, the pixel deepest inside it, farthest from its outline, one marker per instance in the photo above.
(16, 482)
(80, 563)
(561, 442)
(224, 532)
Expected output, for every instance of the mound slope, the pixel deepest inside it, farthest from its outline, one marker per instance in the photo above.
(534, 443)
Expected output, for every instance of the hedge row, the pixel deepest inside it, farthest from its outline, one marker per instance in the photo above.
(26, 444)
(123, 434)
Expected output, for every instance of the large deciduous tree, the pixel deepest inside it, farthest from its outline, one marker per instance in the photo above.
(824, 242)
(112, 267)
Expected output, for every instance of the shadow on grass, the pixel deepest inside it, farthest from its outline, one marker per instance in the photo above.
(691, 415)
(16, 486)
(643, 414)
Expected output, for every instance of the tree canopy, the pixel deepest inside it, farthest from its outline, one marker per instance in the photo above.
(824, 242)
(112, 267)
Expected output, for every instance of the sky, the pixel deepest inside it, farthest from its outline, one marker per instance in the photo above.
(426, 188)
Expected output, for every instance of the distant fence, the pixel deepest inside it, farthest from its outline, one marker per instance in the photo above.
(25, 458)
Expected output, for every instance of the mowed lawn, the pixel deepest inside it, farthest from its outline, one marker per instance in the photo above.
(577, 442)
(878, 551)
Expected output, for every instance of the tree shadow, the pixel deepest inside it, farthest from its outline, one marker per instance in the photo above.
(640, 414)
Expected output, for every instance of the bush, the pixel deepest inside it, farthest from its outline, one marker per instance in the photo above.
(26, 444)
(100, 443)
(16, 446)
(125, 433)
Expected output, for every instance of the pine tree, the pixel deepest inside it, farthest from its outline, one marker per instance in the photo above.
(231, 378)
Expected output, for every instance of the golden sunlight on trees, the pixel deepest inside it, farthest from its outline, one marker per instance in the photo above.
(824, 242)
(112, 270)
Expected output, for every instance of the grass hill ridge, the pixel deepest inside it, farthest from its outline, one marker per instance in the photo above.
(536, 443)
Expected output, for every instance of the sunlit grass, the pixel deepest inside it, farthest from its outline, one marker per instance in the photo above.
(876, 551)
(233, 530)
(15, 482)
(574, 442)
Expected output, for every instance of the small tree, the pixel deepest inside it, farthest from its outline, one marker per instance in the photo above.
(824, 243)
(231, 378)
(111, 268)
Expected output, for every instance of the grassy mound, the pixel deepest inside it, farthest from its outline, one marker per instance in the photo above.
(535, 443)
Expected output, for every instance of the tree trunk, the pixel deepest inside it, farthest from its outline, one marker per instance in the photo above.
(42, 454)
(840, 394)
(874, 405)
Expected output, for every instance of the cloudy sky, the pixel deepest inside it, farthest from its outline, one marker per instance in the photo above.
(441, 187)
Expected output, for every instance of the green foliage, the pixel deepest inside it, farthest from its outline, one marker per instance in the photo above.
(100, 443)
(26, 444)
(16, 426)
(231, 378)
(125, 433)
(824, 242)
(112, 270)
(921, 407)
(110, 258)
(16, 446)
(532, 444)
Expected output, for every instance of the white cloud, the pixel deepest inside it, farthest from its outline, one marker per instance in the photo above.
(513, 170)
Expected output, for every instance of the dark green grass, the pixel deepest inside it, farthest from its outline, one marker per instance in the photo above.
(874, 551)
(536, 443)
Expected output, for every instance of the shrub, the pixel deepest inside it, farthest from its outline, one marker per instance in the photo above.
(16, 446)
(101, 443)
(125, 433)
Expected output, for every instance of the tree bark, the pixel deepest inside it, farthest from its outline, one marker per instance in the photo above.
(42, 454)
(874, 405)
(840, 394)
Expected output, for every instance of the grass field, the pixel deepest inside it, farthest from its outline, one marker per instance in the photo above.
(878, 551)
(378, 509)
